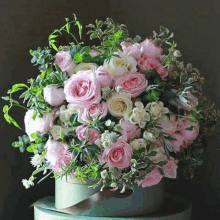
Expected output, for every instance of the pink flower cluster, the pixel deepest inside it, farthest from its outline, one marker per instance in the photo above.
(178, 129)
(148, 55)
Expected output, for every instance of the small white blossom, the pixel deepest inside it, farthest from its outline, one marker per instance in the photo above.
(37, 160)
(109, 123)
(108, 138)
(65, 113)
(156, 109)
(104, 174)
(27, 183)
(148, 136)
(118, 89)
(138, 115)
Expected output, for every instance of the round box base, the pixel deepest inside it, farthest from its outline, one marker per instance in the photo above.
(175, 208)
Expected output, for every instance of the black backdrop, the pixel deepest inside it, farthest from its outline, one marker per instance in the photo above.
(26, 24)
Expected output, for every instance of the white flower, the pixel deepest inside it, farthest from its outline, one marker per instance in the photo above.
(108, 138)
(156, 109)
(57, 131)
(27, 183)
(104, 174)
(149, 136)
(109, 123)
(37, 160)
(138, 144)
(119, 104)
(138, 115)
(86, 66)
(65, 113)
(118, 89)
(120, 64)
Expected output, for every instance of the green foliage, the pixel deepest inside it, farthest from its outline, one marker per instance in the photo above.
(152, 96)
(22, 143)
(65, 29)
(42, 57)
(137, 153)
(110, 34)
(39, 145)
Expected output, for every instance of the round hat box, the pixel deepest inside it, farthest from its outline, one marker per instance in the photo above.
(70, 191)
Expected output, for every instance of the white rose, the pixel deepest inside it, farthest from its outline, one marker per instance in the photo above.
(118, 66)
(38, 124)
(86, 66)
(156, 109)
(138, 144)
(57, 131)
(138, 115)
(149, 136)
(119, 104)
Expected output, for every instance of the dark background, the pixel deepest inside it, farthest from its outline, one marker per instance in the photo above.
(27, 24)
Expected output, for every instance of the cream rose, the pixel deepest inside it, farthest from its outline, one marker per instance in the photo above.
(138, 144)
(86, 66)
(119, 104)
(118, 66)
(156, 109)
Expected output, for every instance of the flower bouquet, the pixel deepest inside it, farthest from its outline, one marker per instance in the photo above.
(122, 113)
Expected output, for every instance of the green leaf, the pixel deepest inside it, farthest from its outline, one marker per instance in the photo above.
(78, 58)
(68, 28)
(161, 171)
(190, 119)
(152, 153)
(15, 144)
(18, 87)
(162, 163)
(54, 46)
(6, 98)
(52, 36)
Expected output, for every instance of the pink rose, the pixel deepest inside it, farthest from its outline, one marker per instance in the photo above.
(104, 76)
(170, 169)
(162, 72)
(145, 64)
(93, 134)
(57, 154)
(65, 62)
(130, 130)
(150, 49)
(167, 125)
(191, 103)
(42, 125)
(189, 135)
(132, 83)
(117, 155)
(180, 143)
(93, 110)
(151, 179)
(94, 53)
(53, 95)
(82, 89)
(133, 50)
